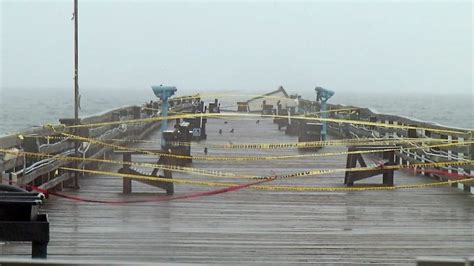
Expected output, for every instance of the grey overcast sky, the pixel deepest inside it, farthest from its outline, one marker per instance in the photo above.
(348, 46)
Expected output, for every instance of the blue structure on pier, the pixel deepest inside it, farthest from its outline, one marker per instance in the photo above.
(164, 92)
(322, 96)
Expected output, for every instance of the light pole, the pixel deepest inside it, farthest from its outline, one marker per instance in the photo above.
(76, 88)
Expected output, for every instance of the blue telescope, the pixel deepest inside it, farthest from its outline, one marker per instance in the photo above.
(164, 92)
(322, 96)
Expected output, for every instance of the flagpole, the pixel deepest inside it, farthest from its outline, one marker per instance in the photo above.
(76, 86)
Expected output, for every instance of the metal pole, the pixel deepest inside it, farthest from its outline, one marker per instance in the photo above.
(324, 114)
(164, 112)
(76, 88)
(164, 115)
(76, 63)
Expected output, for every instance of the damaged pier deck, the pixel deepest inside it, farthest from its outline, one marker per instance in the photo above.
(251, 226)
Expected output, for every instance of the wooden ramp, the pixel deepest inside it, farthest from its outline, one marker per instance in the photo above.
(249, 226)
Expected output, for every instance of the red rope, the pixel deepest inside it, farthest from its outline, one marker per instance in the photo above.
(454, 176)
(152, 199)
(415, 170)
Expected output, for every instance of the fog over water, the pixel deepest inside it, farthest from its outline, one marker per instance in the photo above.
(394, 57)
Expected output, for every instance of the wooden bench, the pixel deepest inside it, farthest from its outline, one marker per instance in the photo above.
(353, 159)
(128, 169)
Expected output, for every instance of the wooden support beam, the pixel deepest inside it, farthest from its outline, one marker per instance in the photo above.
(127, 182)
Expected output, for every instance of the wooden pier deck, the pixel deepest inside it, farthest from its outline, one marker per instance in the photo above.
(249, 226)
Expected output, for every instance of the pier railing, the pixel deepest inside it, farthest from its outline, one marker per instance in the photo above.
(45, 171)
(402, 127)
(409, 128)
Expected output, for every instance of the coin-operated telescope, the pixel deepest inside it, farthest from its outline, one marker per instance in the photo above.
(322, 96)
(164, 92)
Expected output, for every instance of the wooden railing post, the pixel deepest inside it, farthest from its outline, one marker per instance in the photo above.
(127, 182)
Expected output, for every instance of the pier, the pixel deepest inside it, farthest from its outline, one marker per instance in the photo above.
(368, 222)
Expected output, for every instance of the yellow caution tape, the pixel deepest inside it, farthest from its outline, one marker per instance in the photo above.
(224, 174)
(333, 110)
(366, 188)
(217, 115)
(342, 121)
(232, 175)
(205, 172)
(152, 178)
(273, 187)
(192, 170)
(385, 167)
(345, 142)
(221, 158)
(224, 95)
(308, 144)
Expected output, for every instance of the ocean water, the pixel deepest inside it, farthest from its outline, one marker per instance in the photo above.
(447, 110)
(25, 108)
